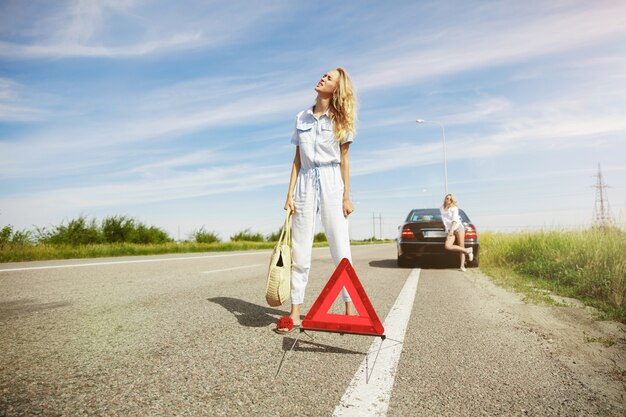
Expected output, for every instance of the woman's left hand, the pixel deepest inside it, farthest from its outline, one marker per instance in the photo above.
(347, 207)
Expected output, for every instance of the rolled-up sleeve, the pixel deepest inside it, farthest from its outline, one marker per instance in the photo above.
(349, 138)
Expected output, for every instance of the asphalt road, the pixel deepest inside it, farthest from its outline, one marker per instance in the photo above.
(192, 335)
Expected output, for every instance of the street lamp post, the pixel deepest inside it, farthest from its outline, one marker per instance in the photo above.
(445, 160)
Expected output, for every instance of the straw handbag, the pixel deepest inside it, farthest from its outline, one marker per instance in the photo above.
(278, 287)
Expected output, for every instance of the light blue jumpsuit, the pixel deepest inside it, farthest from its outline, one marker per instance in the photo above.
(319, 189)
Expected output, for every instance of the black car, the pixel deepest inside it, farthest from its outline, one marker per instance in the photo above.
(422, 237)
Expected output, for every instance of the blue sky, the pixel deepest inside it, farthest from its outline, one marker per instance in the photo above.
(179, 114)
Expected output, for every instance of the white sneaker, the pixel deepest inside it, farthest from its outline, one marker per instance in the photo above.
(470, 254)
(462, 269)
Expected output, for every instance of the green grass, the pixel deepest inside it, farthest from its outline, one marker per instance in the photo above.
(589, 265)
(43, 252)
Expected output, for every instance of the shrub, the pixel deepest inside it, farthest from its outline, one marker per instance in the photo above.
(148, 235)
(203, 236)
(118, 229)
(248, 236)
(10, 236)
(320, 237)
(76, 232)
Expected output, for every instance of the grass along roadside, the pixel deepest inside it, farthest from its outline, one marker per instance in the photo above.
(45, 252)
(589, 265)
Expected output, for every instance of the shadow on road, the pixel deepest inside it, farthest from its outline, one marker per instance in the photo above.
(384, 263)
(435, 263)
(249, 314)
(304, 345)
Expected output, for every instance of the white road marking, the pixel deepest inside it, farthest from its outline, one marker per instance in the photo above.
(231, 269)
(372, 399)
(136, 261)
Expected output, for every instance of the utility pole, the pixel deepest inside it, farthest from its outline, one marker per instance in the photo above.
(602, 211)
(380, 225)
(373, 226)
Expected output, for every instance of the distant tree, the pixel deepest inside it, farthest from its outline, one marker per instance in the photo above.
(248, 236)
(320, 237)
(273, 237)
(203, 236)
(15, 237)
(143, 234)
(76, 232)
(115, 229)
(118, 229)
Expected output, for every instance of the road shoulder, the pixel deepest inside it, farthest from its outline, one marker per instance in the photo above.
(594, 350)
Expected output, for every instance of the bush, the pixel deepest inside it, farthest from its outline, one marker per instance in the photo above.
(273, 237)
(9, 236)
(118, 229)
(248, 236)
(76, 232)
(202, 236)
(143, 234)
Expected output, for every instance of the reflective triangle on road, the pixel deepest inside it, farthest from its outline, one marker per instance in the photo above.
(318, 318)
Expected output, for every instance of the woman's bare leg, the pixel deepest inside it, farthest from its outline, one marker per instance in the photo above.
(350, 310)
(460, 238)
(460, 248)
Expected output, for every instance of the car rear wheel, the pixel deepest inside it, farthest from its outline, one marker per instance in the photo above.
(403, 262)
(474, 263)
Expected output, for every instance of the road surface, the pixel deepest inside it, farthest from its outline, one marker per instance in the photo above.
(192, 335)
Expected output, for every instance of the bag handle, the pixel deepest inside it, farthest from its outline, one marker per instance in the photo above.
(286, 232)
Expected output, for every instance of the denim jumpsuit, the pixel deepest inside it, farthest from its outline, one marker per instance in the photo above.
(319, 190)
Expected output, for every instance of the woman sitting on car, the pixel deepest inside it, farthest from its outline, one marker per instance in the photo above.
(455, 230)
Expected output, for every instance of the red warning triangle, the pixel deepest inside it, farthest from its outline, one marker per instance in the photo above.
(318, 318)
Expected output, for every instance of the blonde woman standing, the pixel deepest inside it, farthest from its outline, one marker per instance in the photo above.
(454, 229)
(320, 183)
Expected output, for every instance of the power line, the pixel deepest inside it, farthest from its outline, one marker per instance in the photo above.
(380, 225)
(602, 211)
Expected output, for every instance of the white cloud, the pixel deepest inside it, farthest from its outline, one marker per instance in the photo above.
(176, 112)
(201, 157)
(519, 134)
(89, 28)
(175, 42)
(488, 44)
(15, 106)
(172, 186)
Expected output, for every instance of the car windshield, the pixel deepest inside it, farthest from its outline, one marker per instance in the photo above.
(430, 215)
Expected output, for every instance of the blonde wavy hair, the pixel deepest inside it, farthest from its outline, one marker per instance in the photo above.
(452, 200)
(343, 106)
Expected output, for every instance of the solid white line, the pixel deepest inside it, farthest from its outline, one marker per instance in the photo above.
(137, 261)
(231, 269)
(372, 399)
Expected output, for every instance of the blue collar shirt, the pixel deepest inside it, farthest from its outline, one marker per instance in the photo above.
(316, 139)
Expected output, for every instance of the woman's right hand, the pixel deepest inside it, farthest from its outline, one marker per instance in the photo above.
(289, 206)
